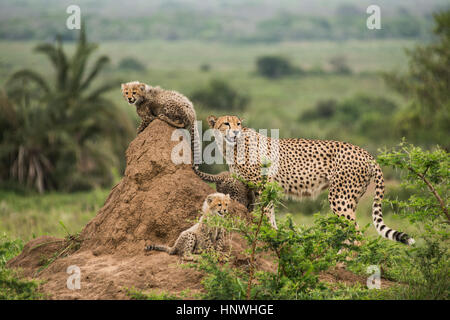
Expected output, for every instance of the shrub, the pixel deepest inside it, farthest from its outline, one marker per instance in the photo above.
(275, 67)
(12, 285)
(130, 63)
(220, 95)
(427, 174)
(340, 65)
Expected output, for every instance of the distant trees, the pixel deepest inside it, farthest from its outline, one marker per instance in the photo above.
(427, 86)
(366, 116)
(219, 95)
(61, 134)
(275, 67)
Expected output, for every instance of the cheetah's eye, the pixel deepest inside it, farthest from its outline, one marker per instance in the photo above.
(134, 92)
(220, 204)
(226, 123)
(239, 124)
(126, 92)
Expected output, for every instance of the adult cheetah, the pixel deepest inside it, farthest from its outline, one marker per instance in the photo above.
(305, 167)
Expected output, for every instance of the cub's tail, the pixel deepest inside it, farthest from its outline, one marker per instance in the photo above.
(377, 216)
(157, 247)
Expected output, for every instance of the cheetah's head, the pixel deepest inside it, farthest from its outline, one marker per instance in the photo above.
(217, 203)
(229, 127)
(133, 91)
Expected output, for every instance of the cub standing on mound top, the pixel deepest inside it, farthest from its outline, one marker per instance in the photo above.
(155, 102)
(307, 167)
(200, 236)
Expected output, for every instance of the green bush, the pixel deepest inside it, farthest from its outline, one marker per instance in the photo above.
(339, 65)
(130, 63)
(219, 95)
(12, 285)
(275, 67)
(427, 174)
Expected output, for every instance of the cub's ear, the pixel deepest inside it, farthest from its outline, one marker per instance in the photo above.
(122, 86)
(142, 86)
(241, 119)
(209, 199)
(211, 121)
(227, 196)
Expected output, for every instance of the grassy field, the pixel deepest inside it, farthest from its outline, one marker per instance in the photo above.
(29, 216)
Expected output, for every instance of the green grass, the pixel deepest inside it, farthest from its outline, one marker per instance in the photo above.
(28, 216)
(12, 285)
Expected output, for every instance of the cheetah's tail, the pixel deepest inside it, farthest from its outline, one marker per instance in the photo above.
(158, 247)
(206, 176)
(377, 216)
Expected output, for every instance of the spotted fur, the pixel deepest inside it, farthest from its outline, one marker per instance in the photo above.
(226, 183)
(169, 106)
(200, 237)
(304, 168)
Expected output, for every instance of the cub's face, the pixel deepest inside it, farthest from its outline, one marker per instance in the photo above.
(218, 203)
(133, 91)
(229, 127)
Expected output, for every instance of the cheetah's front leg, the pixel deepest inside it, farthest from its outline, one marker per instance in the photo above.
(144, 123)
(189, 246)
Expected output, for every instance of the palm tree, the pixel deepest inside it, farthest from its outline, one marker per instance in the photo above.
(80, 134)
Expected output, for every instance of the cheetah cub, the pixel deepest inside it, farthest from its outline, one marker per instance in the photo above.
(157, 103)
(200, 237)
(226, 183)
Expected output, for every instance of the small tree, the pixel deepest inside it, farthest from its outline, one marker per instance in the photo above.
(62, 134)
(427, 173)
(426, 85)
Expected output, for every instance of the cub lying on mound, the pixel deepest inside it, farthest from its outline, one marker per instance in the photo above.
(200, 237)
(155, 102)
(226, 183)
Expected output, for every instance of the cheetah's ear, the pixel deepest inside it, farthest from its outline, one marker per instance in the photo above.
(142, 86)
(227, 196)
(211, 121)
(122, 86)
(209, 199)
